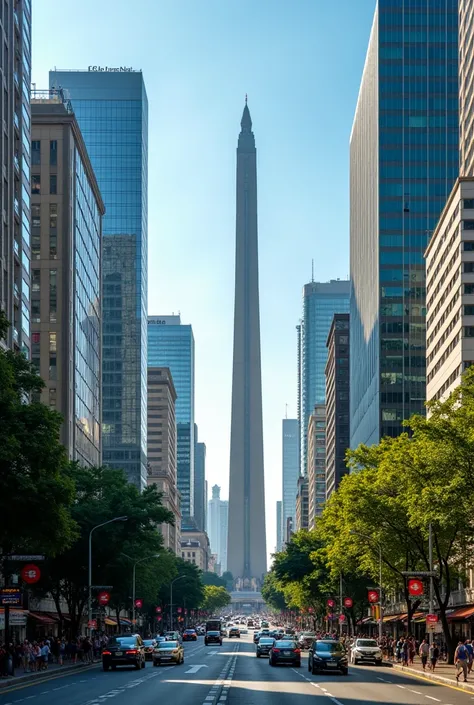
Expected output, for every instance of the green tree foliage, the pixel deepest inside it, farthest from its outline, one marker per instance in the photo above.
(188, 592)
(36, 493)
(272, 594)
(209, 578)
(229, 580)
(215, 598)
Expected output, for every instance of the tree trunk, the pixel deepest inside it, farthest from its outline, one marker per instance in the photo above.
(117, 612)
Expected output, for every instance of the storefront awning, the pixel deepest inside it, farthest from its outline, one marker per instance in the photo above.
(43, 618)
(110, 622)
(393, 618)
(462, 613)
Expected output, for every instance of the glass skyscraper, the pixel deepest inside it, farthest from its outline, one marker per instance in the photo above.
(403, 162)
(111, 108)
(171, 344)
(290, 472)
(321, 300)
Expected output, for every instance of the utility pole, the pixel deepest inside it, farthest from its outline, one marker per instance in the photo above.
(380, 595)
(430, 554)
(340, 603)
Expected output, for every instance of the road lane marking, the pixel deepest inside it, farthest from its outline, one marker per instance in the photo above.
(400, 686)
(417, 692)
(430, 697)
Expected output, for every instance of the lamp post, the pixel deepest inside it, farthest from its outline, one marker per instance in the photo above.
(89, 600)
(135, 563)
(370, 538)
(171, 599)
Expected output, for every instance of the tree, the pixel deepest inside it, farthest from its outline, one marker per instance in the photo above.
(188, 592)
(208, 578)
(36, 492)
(272, 593)
(215, 598)
(229, 580)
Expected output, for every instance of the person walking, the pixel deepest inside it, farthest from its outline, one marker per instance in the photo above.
(424, 652)
(470, 651)
(461, 658)
(434, 655)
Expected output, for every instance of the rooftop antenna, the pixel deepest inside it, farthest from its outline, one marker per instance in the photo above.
(286, 411)
(246, 99)
(312, 271)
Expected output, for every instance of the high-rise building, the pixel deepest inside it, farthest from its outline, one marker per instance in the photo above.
(466, 88)
(171, 344)
(15, 150)
(217, 526)
(302, 504)
(337, 401)
(66, 245)
(279, 525)
(247, 559)
(195, 548)
(316, 471)
(403, 163)
(321, 300)
(112, 110)
(200, 504)
(162, 450)
(290, 469)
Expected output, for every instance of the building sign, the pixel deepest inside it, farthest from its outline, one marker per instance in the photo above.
(17, 618)
(164, 320)
(10, 596)
(112, 69)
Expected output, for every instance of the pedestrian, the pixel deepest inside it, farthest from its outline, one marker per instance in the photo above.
(470, 651)
(461, 658)
(424, 652)
(434, 655)
(405, 652)
(399, 649)
(62, 651)
(45, 650)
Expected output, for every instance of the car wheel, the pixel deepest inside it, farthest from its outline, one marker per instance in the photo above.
(309, 665)
(356, 661)
(313, 669)
(298, 664)
(105, 667)
(345, 672)
(114, 666)
(138, 665)
(182, 660)
(155, 664)
(378, 663)
(143, 664)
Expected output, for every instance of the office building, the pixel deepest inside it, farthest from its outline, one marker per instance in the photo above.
(195, 548)
(162, 449)
(403, 163)
(171, 344)
(279, 525)
(217, 526)
(321, 300)
(66, 302)
(466, 88)
(15, 253)
(302, 504)
(337, 401)
(290, 469)
(247, 553)
(316, 471)
(200, 499)
(112, 110)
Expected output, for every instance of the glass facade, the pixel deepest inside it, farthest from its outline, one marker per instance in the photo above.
(171, 344)
(112, 111)
(320, 302)
(290, 471)
(404, 161)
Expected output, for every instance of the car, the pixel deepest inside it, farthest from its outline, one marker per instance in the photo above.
(264, 624)
(189, 635)
(124, 650)
(149, 645)
(168, 652)
(244, 630)
(366, 650)
(233, 632)
(263, 647)
(256, 637)
(173, 636)
(306, 639)
(327, 655)
(265, 632)
(213, 638)
(284, 652)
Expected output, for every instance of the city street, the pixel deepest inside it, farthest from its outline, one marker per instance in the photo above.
(232, 675)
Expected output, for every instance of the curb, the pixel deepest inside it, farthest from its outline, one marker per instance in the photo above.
(45, 675)
(433, 677)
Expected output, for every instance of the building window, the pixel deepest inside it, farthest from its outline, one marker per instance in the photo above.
(53, 230)
(469, 331)
(36, 153)
(53, 184)
(35, 185)
(468, 203)
(469, 246)
(52, 396)
(469, 288)
(53, 295)
(469, 310)
(468, 224)
(469, 267)
(53, 152)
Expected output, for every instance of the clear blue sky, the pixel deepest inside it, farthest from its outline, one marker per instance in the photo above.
(300, 62)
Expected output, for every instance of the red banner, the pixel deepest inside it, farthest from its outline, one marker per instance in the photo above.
(431, 619)
(331, 602)
(348, 602)
(415, 586)
(373, 595)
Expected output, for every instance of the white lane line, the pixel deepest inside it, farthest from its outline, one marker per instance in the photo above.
(400, 686)
(417, 692)
(430, 697)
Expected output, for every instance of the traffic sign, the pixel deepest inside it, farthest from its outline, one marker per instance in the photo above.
(373, 595)
(17, 557)
(103, 598)
(331, 602)
(30, 573)
(158, 609)
(415, 586)
(431, 618)
(342, 618)
(348, 602)
(10, 597)
(139, 603)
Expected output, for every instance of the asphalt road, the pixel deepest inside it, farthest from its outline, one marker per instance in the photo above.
(232, 675)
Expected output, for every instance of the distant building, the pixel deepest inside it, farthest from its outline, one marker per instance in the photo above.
(66, 251)
(279, 525)
(316, 471)
(200, 499)
(161, 449)
(290, 470)
(302, 504)
(195, 548)
(217, 526)
(337, 401)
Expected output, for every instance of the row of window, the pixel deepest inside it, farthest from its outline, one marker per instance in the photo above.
(36, 153)
(36, 185)
(443, 357)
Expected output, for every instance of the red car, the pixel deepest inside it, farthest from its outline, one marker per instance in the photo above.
(190, 635)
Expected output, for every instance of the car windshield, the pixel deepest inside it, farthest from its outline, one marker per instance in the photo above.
(285, 644)
(213, 633)
(122, 641)
(366, 642)
(267, 641)
(149, 642)
(169, 645)
(189, 631)
(332, 647)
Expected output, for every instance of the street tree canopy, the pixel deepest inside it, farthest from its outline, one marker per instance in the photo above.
(215, 598)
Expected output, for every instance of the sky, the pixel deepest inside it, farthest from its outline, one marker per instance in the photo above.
(300, 62)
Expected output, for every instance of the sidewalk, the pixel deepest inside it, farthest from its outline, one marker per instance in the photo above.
(444, 673)
(53, 670)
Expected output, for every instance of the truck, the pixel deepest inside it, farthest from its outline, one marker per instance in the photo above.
(213, 625)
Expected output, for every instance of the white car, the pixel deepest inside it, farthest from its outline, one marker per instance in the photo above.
(366, 651)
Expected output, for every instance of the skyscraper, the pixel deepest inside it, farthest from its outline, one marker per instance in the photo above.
(200, 505)
(112, 110)
(171, 344)
(217, 526)
(403, 163)
(466, 83)
(279, 525)
(290, 471)
(321, 300)
(15, 233)
(247, 543)
(316, 471)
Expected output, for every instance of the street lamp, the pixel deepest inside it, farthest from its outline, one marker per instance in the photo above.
(135, 563)
(171, 599)
(370, 538)
(89, 601)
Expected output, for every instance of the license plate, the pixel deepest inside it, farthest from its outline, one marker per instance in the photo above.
(331, 663)
(118, 653)
(286, 653)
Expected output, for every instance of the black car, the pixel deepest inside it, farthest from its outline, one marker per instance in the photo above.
(264, 645)
(126, 650)
(286, 651)
(149, 645)
(327, 655)
(213, 638)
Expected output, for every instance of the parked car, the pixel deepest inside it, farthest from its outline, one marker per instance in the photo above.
(286, 651)
(327, 655)
(149, 645)
(168, 652)
(213, 638)
(263, 647)
(233, 632)
(366, 650)
(190, 635)
(124, 650)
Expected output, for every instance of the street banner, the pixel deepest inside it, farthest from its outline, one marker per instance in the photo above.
(373, 595)
(415, 586)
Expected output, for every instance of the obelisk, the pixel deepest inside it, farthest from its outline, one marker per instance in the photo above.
(246, 555)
